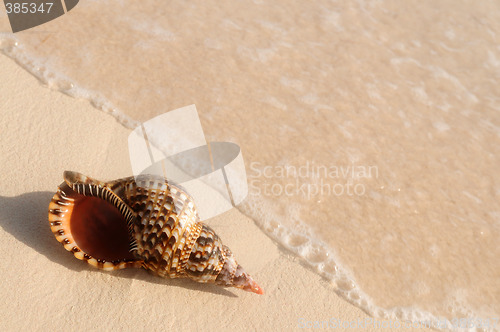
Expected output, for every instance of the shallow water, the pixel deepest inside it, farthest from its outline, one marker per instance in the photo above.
(370, 130)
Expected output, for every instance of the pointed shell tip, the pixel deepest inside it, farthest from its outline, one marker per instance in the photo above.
(253, 287)
(258, 290)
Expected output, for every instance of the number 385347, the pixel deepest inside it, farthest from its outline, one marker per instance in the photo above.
(28, 7)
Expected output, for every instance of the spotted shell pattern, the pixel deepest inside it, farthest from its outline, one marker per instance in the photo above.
(157, 221)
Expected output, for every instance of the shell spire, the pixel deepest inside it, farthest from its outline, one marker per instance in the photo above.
(142, 222)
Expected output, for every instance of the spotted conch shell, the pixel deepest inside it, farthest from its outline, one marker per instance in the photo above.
(141, 222)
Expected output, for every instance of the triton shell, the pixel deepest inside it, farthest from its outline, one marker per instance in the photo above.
(141, 222)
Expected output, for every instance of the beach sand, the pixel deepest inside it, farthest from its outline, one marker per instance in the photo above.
(45, 288)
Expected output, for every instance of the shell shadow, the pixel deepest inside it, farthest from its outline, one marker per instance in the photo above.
(25, 217)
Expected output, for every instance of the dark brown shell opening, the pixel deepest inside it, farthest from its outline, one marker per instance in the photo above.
(97, 227)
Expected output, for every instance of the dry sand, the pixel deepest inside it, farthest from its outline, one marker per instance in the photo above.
(46, 288)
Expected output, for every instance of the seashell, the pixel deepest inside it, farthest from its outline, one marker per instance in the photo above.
(141, 222)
